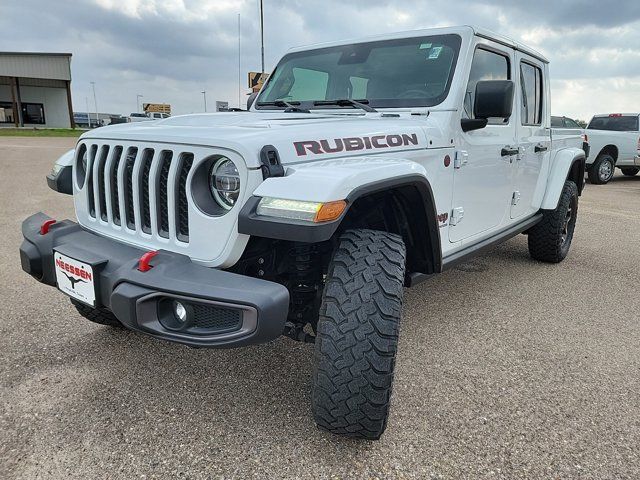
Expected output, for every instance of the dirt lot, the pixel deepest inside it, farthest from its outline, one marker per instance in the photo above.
(507, 368)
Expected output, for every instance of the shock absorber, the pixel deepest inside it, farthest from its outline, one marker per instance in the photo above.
(304, 283)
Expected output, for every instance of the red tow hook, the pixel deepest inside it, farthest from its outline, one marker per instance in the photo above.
(44, 228)
(143, 263)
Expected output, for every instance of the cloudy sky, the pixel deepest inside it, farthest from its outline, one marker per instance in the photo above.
(171, 50)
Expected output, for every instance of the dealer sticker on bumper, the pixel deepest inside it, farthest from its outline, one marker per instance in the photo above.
(75, 278)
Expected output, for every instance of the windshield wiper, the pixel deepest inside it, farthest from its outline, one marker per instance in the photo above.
(290, 106)
(345, 102)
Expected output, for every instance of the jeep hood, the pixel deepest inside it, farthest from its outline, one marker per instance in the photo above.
(298, 137)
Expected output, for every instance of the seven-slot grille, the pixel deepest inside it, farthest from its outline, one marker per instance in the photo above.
(133, 187)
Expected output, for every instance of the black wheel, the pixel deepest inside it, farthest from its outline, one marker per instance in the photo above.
(630, 171)
(602, 170)
(549, 240)
(357, 334)
(97, 315)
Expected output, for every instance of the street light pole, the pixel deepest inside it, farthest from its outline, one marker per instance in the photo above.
(86, 99)
(204, 95)
(95, 101)
(262, 33)
(138, 97)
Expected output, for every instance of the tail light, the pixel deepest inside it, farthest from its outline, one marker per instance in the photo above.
(585, 137)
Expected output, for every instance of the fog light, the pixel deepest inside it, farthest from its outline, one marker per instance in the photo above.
(180, 312)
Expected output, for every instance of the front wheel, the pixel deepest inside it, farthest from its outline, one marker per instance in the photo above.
(550, 239)
(630, 171)
(602, 170)
(357, 334)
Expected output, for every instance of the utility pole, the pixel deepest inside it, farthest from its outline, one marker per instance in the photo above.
(138, 97)
(204, 94)
(262, 33)
(86, 99)
(239, 73)
(95, 101)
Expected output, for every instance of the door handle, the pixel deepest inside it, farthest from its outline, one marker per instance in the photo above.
(540, 148)
(508, 151)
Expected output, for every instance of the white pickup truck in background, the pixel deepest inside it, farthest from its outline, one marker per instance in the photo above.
(145, 117)
(614, 141)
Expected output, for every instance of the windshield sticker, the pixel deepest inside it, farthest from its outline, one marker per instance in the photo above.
(424, 46)
(435, 53)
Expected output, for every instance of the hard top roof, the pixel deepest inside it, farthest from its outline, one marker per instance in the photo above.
(464, 29)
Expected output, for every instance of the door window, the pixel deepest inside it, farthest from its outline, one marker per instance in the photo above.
(531, 79)
(571, 123)
(486, 65)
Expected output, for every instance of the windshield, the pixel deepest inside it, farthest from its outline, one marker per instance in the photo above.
(409, 72)
(615, 123)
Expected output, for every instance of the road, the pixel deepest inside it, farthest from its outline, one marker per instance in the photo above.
(507, 368)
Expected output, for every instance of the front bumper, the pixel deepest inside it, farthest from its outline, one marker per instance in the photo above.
(136, 297)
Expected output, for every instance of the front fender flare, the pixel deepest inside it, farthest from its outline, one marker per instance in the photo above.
(568, 163)
(338, 180)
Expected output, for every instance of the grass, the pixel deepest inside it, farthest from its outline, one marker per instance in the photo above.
(40, 132)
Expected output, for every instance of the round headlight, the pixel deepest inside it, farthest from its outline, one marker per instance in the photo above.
(224, 183)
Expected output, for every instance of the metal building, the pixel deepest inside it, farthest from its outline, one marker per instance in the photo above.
(35, 90)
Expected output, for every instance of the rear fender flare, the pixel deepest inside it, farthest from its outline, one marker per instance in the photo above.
(568, 164)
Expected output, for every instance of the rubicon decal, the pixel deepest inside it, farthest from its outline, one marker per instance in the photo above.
(353, 144)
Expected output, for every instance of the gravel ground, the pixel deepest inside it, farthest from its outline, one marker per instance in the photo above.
(507, 368)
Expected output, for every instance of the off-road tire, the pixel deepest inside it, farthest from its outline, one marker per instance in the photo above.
(596, 175)
(630, 171)
(357, 334)
(97, 315)
(550, 240)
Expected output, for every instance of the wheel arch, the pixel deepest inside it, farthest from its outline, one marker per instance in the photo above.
(609, 150)
(406, 207)
(379, 205)
(568, 164)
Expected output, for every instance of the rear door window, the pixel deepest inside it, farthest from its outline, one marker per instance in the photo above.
(556, 122)
(615, 123)
(531, 79)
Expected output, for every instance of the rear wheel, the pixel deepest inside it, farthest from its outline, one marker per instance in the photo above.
(100, 316)
(357, 334)
(602, 170)
(630, 171)
(549, 240)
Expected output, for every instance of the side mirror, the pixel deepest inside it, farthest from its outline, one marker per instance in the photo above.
(494, 98)
(60, 178)
(251, 99)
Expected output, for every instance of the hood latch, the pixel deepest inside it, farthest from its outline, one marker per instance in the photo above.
(270, 162)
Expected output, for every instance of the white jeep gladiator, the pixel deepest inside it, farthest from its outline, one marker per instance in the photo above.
(362, 167)
(614, 141)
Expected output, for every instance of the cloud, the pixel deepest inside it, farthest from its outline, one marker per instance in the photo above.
(171, 50)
